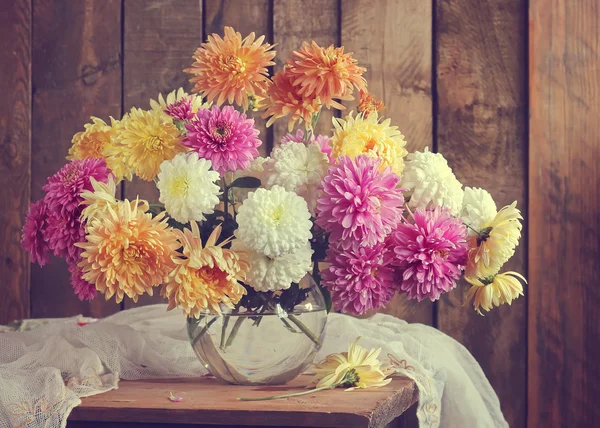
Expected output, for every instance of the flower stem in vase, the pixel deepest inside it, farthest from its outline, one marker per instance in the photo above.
(304, 329)
(234, 331)
(204, 329)
(223, 332)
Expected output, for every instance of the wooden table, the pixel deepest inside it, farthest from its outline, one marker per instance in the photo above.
(207, 402)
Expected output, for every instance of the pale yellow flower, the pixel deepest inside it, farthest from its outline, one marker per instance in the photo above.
(145, 140)
(161, 103)
(357, 368)
(495, 290)
(127, 251)
(359, 135)
(98, 200)
(205, 276)
(492, 246)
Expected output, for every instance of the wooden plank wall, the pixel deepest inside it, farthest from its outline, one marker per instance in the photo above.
(453, 75)
(564, 201)
(15, 156)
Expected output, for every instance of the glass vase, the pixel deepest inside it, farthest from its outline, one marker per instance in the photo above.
(271, 345)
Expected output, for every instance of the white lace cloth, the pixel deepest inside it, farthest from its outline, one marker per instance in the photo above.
(45, 371)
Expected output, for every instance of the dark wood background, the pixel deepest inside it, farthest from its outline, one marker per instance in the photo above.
(507, 90)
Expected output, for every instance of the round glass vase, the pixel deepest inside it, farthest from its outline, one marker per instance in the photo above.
(268, 346)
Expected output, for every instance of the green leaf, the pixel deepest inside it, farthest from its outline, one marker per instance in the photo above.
(246, 183)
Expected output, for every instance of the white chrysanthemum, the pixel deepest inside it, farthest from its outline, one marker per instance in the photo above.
(272, 274)
(187, 187)
(299, 168)
(273, 222)
(478, 208)
(259, 168)
(178, 95)
(431, 182)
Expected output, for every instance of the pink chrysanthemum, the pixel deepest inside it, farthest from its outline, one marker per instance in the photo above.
(62, 233)
(63, 189)
(34, 239)
(83, 289)
(225, 137)
(298, 137)
(360, 278)
(180, 110)
(431, 253)
(360, 202)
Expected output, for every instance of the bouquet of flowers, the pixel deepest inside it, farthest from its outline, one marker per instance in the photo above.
(233, 228)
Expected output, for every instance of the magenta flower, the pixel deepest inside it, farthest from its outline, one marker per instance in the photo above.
(360, 202)
(322, 140)
(64, 187)
(33, 237)
(360, 278)
(431, 253)
(83, 289)
(180, 110)
(63, 232)
(223, 136)
(63, 227)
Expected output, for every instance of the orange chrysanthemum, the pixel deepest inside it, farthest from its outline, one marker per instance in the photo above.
(97, 141)
(326, 73)
(285, 100)
(368, 104)
(204, 277)
(232, 69)
(127, 251)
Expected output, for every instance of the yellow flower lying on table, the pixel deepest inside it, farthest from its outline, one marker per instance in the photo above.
(357, 368)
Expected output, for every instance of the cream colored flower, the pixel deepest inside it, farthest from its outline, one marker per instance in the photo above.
(187, 187)
(430, 183)
(173, 97)
(273, 274)
(357, 368)
(274, 222)
(495, 243)
(495, 290)
(98, 200)
(300, 169)
(478, 209)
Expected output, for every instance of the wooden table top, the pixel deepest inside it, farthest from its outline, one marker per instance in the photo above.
(208, 401)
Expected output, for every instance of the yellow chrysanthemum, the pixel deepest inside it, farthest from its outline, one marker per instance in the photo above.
(492, 246)
(357, 368)
(127, 251)
(367, 135)
(232, 68)
(205, 276)
(92, 142)
(145, 140)
(96, 142)
(495, 290)
(178, 95)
